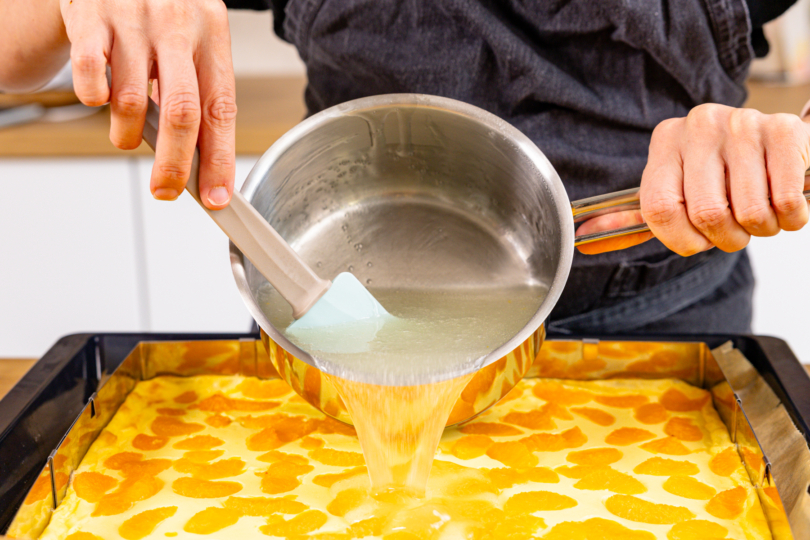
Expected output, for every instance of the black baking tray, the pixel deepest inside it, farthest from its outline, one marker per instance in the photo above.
(39, 410)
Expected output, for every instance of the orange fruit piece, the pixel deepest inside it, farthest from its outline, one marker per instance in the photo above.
(148, 442)
(328, 426)
(536, 419)
(303, 523)
(282, 476)
(597, 416)
(142, 524)
(264, 389)
(266, 439)
(309, 443)
(372, 527)
(168, 426)
(513, 454)
(556, 410)
(274, 456)
(130, 491)
(668, 445)
(537, 501)
(641, 511)
(689, 488)
(264, 506)
(659, 466)
(651, 413)
(186, 397)
(219, 403)
(197, 488)
(117, 461)
(328, 480)
(224, 468)
(595, 529)
(677, 401)
(697, 529)
(218, 421)
(490, 428)
(611, 480)
(200, 442)
(211, 520)
(579, 472)
(346, 501)
(202, 456)
(628, 435)
(726, 462)
(171, 411)
(81, 535)
(504, 478)
(595, 456)
(554, 442)
(148, 467)
(622, 402)
(554, 392)
(337, 458)
(728, 504)
(91, 486)
(516, 528)
(682, 428)
(471, 446)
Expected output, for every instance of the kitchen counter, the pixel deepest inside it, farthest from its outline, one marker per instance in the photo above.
(11, 371)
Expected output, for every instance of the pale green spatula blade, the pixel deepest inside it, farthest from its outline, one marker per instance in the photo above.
(346, 301)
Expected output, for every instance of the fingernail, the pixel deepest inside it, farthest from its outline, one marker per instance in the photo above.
(165, 194)
(218, 196)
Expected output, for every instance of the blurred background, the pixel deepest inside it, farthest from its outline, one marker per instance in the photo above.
(85, 247)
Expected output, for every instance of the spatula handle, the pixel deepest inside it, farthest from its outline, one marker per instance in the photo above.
(254, 236)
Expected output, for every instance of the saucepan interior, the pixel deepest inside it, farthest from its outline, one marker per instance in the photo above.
(413, 192)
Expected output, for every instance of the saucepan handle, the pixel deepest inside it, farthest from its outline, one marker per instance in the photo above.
(610, 203)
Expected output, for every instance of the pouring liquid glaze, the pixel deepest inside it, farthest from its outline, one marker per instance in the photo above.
(419, 360)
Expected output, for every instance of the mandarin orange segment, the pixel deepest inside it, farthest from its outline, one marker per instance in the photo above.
(683, 429)
(40, 490)
(200, 442)
(117, 461)
(218, 421)
(224, 468)
(274, 455)
(595, 456)
(471, 446)
(611, 480)
(264, 506)
(513, 454)
(676, 401)
(310, 443)
(554, 392)
(81, 535)
(537, 501)
(689, 488)
(171, 411)
(622, 402)
(597, 416)
(628, 435)
(668, 445)
(142, 524)
(725, 463)
(595, 529)
(490, 428)
(91, 486)
(642, 511)
(264, 389)
(537, 420)
(169, 426)
(554, 442)
(148, 467)
(130, 491)
(211, 520)
(328, 480)
(282, 476)
(148, 442)
(504, 478)
(651, 413)
(219, 403)
(728, 504)
(658, 466)
(202, 456)
(186, 397)
(337, 458)
(346, 501)
(372, 527)
(303, 523)
(579, 472)
(197, 488)
(697, 529)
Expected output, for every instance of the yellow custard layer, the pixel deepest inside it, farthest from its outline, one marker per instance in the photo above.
(236, 457)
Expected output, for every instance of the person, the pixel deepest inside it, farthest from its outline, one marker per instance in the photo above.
(613, 92)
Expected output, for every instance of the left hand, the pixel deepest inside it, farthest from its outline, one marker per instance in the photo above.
(714, 179)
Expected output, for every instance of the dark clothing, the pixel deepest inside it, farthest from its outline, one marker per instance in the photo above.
(587, 81)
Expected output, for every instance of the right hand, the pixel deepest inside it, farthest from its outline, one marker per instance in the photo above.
(183, 46)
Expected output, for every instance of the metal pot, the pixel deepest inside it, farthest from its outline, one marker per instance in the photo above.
(439, 194)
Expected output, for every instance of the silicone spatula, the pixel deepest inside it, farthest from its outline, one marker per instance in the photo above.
(316, 302)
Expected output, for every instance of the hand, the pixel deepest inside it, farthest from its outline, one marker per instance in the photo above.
(716, 178)
(183, 46)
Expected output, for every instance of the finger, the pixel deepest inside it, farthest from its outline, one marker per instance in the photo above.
(748, 179)
(217, 139)
(661, 196)
(786, 142)
(612, 222)
(130, 71)
(704, 182)
(89, 52)
(179, 122)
